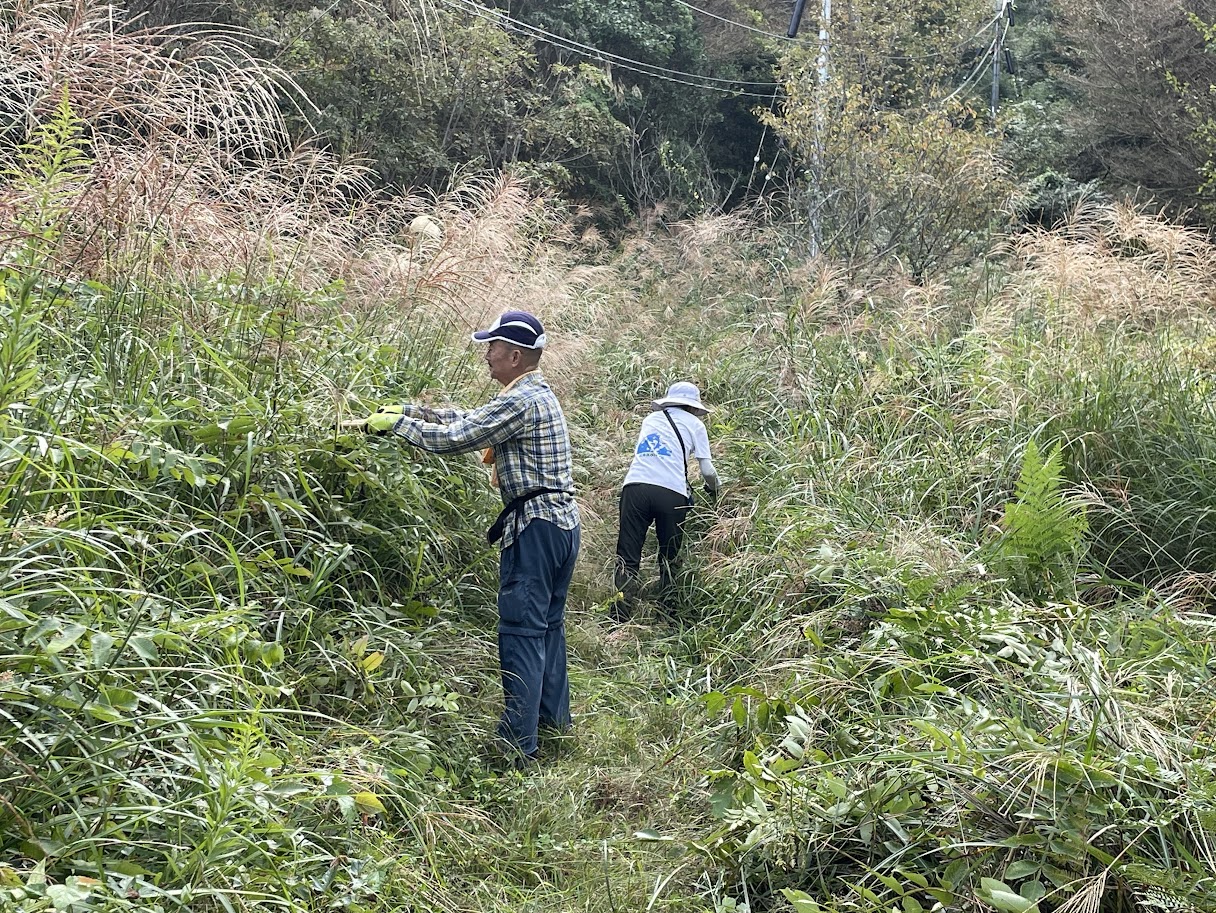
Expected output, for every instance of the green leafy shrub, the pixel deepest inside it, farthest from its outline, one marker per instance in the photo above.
(858, 775)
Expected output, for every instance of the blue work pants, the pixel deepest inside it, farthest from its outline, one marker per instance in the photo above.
(534, 579)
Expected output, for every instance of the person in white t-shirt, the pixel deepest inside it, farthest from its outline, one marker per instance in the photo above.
(656, 490)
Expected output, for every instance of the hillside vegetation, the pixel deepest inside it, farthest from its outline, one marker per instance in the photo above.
(944, 643)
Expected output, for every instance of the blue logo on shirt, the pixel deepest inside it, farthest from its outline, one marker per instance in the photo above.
(652, 443)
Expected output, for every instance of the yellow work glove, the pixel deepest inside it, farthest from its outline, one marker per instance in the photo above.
(383, 419)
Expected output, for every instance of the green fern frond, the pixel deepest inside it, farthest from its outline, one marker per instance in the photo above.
(50, 166)
(1170, 890)
(1044, 529)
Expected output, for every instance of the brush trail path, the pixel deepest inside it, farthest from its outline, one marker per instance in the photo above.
(603, 823)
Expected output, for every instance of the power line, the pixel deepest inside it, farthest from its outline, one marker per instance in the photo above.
(979, 68)
(570, 44)
(741, 25)
(954, 49)
(772, 107)
(595, 54)
(683, 77)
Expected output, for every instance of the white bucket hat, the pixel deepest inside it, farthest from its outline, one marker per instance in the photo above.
(683, 393)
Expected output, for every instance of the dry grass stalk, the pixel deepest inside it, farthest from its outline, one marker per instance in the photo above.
(189, 174)
(139, 86)
(1114, 264)
(1088, 897)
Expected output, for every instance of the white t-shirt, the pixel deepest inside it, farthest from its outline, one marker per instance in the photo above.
(657, 459)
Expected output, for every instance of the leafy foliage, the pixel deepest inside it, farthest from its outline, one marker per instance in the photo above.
(414, 88)
(1114, 94)
(902, 711)
(1199, 103)
(190, 588)
(858, 773)
(247, 659)
(425, 89)
(1139, 61)
(390, 84)
(212, 601)
(1044, 529)
(887, 167)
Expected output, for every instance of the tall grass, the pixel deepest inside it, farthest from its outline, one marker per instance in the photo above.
(942, 642)
(943, 685)
(229, 636)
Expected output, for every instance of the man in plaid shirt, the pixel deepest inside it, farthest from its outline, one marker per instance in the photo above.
(539, 526)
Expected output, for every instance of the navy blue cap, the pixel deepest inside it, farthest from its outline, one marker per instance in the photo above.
(516, 327)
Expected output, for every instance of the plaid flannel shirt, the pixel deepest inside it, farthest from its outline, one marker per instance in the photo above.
(525, 426)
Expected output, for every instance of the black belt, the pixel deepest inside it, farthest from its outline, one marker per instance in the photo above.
(494, 533)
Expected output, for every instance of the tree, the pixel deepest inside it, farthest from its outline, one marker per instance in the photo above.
(1199, 103)
(686, 144)
(1143, 78)
(893, 159)
(585, 96)
(416, 90)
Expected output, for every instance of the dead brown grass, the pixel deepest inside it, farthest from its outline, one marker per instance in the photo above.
(1112, 264)
(189, 175)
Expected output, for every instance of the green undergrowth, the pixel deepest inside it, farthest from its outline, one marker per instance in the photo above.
(214, 603)
(952, 635)
(943, 643)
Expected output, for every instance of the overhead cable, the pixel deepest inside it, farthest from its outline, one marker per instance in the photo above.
(627, 63)
(979, 67)
(681, 77)
(741, 25)
(929, 55)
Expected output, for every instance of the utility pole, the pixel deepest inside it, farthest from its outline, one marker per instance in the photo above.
(816, 213)
(816, 208)
(998, 35)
